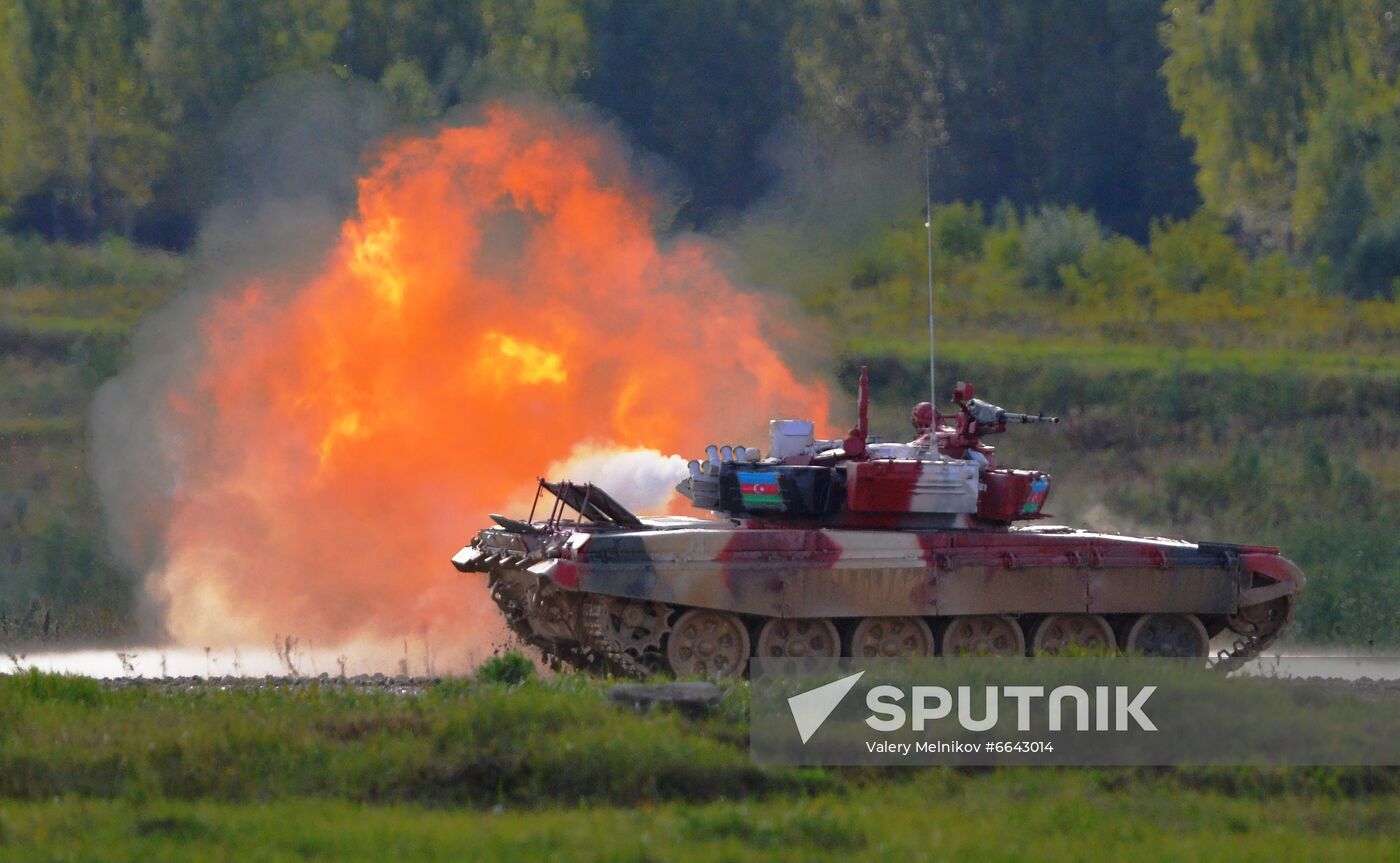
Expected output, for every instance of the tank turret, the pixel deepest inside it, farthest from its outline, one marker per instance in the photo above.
(857, 482)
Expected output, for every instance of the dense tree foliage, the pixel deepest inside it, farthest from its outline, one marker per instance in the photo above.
(701, 83)
(1055, 101)
(1294, 108)
(111, 110)
(94, 146)
(16, 117)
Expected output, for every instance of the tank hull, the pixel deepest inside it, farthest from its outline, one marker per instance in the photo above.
(757, 574)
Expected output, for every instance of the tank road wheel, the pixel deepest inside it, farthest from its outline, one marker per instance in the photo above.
(1072, 632)
(708, 643)
(984, 635)
(798, 638)
(884, 637)
(1181, 635)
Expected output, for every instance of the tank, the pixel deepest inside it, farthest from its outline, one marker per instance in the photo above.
(859, 547)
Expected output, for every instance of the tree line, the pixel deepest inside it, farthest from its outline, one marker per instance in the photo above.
(1282, 117)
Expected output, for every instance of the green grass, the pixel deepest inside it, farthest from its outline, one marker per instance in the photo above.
(1011, 816)
(550, 770)
(461, 743)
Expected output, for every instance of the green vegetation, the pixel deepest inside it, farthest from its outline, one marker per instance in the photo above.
(1056, 276)
(550, 768)
(65, 315)
(1292, 107)
(1049, 816)
(113, 111)
(479, 744)
(509, 668)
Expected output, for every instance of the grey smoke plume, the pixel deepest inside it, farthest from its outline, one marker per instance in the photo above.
(831, 191)
(292, 152)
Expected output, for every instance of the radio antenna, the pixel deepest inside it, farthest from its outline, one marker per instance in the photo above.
(928, 229)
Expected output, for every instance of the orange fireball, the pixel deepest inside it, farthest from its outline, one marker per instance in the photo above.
(499, 301)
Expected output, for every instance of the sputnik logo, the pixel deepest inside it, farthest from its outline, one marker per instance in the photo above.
(811, 708)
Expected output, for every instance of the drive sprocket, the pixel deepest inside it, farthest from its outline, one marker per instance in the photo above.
(1263, 627)
(627, 633)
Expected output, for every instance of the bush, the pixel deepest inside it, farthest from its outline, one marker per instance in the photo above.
(1372, 269)
(511, 668)
(1195, 255)
(1055, 238)
(31, 261)
(958, 230)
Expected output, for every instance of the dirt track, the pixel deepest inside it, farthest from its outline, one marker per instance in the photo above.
(397, 685)
(401, 685)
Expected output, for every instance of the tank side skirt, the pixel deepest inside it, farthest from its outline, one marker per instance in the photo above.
(855, 574)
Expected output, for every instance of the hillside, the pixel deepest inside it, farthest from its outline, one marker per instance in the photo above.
(66, 314)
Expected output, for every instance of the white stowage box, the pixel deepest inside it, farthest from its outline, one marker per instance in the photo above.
(946, 486)
(790, 437)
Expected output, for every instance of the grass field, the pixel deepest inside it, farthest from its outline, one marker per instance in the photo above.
(1010, 816)
(549, 769)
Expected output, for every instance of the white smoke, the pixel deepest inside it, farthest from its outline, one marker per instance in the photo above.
(643, 480)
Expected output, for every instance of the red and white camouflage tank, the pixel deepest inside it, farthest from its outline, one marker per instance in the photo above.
(862, 548)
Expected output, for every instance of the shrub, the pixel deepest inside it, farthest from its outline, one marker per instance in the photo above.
(1196, 255)
(30, 260)
(1372, 269)
(1055, 238)
(958, 230)
(511, 668)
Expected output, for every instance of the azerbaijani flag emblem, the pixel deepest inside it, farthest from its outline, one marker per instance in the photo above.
(760, 490)
(1040, 487)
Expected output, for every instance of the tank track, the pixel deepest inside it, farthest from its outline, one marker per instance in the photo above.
(1250, 645)
(603, 645)
(515, 608)
(601, 649)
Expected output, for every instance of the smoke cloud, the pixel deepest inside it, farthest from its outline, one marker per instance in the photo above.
(384, 339)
